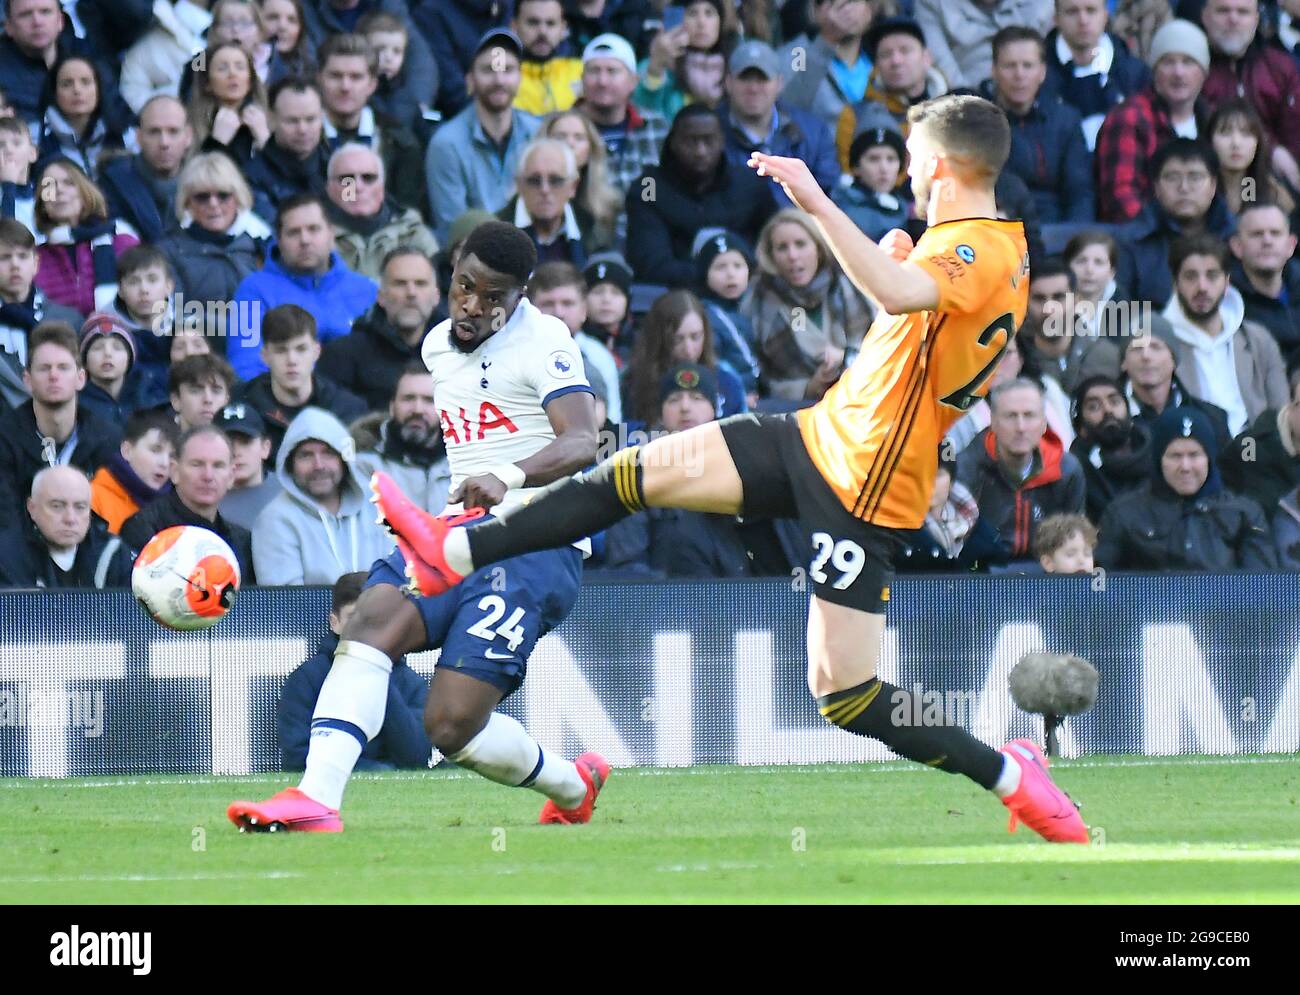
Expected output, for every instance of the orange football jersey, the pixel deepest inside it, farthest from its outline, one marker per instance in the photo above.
(875, 434)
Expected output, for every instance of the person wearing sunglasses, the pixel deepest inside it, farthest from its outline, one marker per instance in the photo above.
(220, 240)
(367, 223)
(547, 179)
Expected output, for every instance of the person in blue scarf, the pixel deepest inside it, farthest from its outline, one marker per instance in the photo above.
(1183, 518)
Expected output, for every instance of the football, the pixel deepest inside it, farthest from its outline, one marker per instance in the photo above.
(186, 577)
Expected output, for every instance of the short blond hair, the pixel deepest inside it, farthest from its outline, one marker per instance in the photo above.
(213, 170)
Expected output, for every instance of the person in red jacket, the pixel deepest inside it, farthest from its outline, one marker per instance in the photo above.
(1243, 64)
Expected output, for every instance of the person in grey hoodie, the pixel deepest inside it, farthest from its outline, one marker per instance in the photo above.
(323, 525)
(1221, 357)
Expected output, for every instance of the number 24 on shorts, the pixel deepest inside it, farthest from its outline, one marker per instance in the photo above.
(846, 556)
(487, 628)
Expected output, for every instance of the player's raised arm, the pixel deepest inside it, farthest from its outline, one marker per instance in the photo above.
(897, 287)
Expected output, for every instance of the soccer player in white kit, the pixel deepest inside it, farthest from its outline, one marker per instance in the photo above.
(517, 413)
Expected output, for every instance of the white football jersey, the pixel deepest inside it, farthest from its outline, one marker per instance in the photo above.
(491, 402)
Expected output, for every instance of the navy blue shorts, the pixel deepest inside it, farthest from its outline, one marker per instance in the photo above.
(488, 624)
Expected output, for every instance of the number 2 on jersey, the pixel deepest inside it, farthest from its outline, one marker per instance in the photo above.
(487, 628)
(964, 396)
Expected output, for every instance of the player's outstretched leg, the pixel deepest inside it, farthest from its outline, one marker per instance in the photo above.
(842, 678)
(349, 713)
(460, 720)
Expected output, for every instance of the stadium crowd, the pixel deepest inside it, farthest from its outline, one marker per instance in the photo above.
(227, 225)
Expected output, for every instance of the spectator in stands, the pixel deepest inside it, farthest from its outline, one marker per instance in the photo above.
(596, 195)
(694, 187)
(1288, 26)
(154, 65)
(1055, 337)
(1018, 470)
(473, 157)
(453, 29)
(327, 20)
(396, 97)
(286, 27)
(808, 318)
(32, 43)
(676, 331)
(952, 537)
(1286, 530)
(609, 287)
(1166, 109)
(1227, 360)
(550, 80)
(1048, 150)
(687, 63)
(323, 525)
(755, 120)
(253, 486)
(139, 473)
(368, 224)
(199, 386)
(1183, 518)
(201, 474)
(57, 544)
(1093, 256)
(1113, 449)
(723, 264)
(1267, 275)
(547, 180)
(1151, 385)
(1064, 544)
(290, 350)
(228, 109)
(1244, 64)
(634, 20)
(835, 63)
(189, 339)
(301, 268)
(22, 307)
(220, 240)
(1186, 204)
(383, 341)
(115, 387)
(74, 123)
(958, 32)
(410, 448)
(144, 304)
(632, 139)
(141, 189)
(1246, 174)
(52, 428)
(670, 542)
(903, 74)
(294, 159)
(559, 290)
(878, 157)
(348, 78)
(1089, 68)
(1264, 459)
(18, 155)
(401, 741)
(241, 22)
(1136, 23)
(78, 258)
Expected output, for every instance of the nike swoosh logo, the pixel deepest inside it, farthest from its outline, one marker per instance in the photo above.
(492, 655)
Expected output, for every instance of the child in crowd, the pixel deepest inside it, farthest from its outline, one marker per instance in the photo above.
(144, 304)
(395, 97)
(199, 387)
(116, 388)
(878, 157)
(724, 262)
(609, 285)
(1064, 544)
(140, 472)
(18, 153)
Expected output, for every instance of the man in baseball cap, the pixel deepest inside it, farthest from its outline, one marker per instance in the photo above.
(756, 121)
(254, 485)
(632, 137)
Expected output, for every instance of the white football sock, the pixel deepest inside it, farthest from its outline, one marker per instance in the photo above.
(355, 693)
(455, 550)
(1009, 780)
(504, 752)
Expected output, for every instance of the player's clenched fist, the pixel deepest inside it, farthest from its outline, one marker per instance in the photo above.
(483, 491)
(897, 243)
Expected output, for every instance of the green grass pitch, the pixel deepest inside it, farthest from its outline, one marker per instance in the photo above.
(1192, 830)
